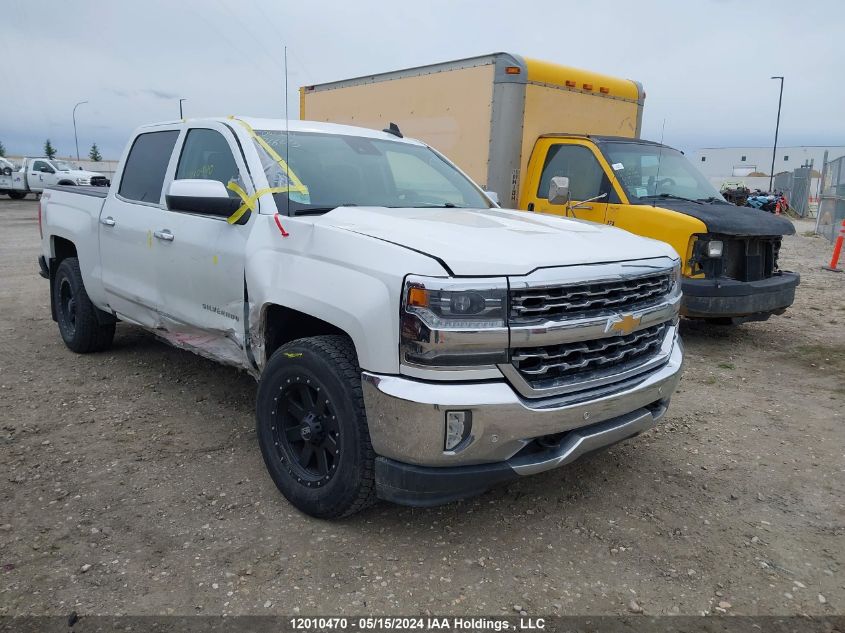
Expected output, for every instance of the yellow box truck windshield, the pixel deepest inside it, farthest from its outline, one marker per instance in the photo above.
(648, 172)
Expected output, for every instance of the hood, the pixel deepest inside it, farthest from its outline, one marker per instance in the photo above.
(729, 219)
(495, 242)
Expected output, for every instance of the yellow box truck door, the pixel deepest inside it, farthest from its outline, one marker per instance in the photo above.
(577, 160)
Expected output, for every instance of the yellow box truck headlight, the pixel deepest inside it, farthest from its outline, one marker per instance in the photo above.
(714, 248)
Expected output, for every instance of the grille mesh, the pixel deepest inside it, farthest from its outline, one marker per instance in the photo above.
(588, 359)
(530, 305)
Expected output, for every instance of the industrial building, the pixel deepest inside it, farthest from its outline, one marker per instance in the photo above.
(739, 162)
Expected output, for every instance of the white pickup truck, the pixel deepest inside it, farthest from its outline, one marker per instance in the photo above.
(413, 341)
(35, 174)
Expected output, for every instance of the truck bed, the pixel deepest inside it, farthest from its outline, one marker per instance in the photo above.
(15, 182)
(85, 190)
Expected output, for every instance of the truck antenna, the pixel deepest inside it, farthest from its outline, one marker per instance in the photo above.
(287, 132)
(659, 158)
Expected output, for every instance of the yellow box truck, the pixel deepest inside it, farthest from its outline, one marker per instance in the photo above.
(515, 124)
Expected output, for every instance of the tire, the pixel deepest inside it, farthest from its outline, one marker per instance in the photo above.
(310, 396)
(17, 195)
(79, 326)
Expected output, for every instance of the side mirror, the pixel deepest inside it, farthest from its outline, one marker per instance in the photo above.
(48, 170)
(493, 196)
(559, 190)
(208, 197)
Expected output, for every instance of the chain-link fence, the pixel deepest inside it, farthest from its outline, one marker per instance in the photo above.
(795, 185)
(832, 199)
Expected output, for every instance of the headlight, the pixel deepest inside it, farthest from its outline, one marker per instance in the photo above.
(453, 323)
(713, 248)
(81, 181)
(676, 275)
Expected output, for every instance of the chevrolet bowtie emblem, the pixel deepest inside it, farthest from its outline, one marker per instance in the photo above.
(623, 323)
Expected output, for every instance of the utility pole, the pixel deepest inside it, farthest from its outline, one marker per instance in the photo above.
(75, 139)
(777, 125)
(180, 108)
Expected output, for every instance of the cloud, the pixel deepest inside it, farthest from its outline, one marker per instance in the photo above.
(159, 94)
(705, 71)
(149, 92)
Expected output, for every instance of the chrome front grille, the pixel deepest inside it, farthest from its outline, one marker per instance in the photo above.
(576, 330)
(587, 360)
(561, 302)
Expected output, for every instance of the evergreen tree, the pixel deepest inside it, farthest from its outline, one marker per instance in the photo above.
(2, 149)
(94, 153)
(49, 150)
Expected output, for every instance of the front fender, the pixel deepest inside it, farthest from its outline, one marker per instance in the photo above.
(350, 281)
(355, 303)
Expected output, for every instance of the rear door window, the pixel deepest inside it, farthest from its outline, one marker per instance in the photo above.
(146, 165)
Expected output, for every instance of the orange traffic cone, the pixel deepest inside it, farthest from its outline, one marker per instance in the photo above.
(837, 249)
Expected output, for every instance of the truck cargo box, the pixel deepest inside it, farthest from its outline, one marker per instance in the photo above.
(485, 113)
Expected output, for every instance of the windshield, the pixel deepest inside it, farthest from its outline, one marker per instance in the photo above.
(62, 165)
(654, 171)
(332, 170)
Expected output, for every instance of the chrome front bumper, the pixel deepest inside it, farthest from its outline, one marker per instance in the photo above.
(407, 417)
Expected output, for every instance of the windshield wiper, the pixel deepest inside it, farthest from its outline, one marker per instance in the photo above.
(669, 195)
(321, 210)
(313, 211)
(710, 200)
(445, 205)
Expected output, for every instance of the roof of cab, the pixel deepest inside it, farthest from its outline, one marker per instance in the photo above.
(603, 138)
(294, 125)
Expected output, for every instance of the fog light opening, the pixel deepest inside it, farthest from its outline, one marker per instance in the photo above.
(458, 427)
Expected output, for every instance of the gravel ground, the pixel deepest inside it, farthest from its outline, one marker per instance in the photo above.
(131, 483)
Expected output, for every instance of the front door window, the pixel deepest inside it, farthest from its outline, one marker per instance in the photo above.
(576, 162)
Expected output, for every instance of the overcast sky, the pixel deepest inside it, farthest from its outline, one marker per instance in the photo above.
(705, 64)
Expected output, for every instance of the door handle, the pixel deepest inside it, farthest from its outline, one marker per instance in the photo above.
(109, 221)
(164, 234)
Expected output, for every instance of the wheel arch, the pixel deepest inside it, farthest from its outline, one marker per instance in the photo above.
(281, 324)
(61, 248)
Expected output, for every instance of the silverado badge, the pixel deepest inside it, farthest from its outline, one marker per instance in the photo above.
(622, 323)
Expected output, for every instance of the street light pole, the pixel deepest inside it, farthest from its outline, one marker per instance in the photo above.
(75, 139)
(180, 108)
(777, 125)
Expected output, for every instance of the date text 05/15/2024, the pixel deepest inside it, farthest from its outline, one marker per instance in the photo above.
(432, 623)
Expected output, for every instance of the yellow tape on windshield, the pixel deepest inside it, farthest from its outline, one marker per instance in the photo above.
(249, 201)
(295, 183)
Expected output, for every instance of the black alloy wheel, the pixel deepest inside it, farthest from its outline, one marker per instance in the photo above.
(83, 327)
(312, 427)
(306, 432)
(67, 307)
